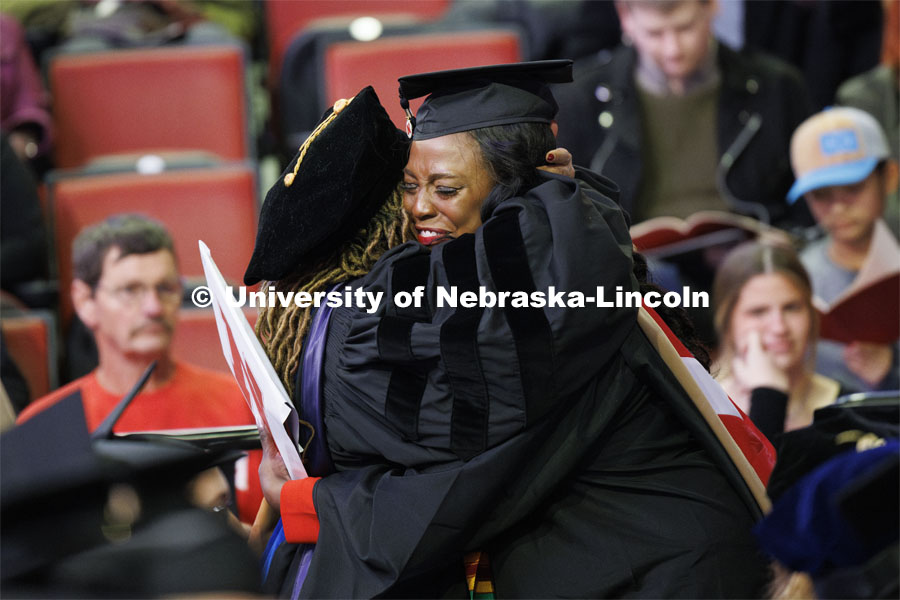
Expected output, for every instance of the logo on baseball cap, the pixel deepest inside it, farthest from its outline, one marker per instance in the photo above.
(838, 146)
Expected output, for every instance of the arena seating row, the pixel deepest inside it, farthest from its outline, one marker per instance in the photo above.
(165, 131)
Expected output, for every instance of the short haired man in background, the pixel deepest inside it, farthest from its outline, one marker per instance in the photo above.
(682, 123)
(127, 291)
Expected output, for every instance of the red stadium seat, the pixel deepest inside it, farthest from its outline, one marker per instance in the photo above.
(186, 98)
(284, 19)
(217, 205)
(197, 338)
(350, 66)
(31, 344)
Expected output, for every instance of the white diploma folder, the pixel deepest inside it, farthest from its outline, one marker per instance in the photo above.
(252, 370)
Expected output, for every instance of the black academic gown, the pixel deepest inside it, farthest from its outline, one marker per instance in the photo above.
(553, 438)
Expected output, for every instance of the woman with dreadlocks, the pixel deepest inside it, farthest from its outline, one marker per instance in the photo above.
(552, 438)
(284, 329)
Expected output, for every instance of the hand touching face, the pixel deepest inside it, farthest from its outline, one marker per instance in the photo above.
(771, 307)
(753, 367)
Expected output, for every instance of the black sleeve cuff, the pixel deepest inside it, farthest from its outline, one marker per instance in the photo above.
(768, 408)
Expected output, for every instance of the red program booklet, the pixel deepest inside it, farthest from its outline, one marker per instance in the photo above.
(869, 309)
(668, 236)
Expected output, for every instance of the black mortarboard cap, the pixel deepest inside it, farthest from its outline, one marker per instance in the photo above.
(339, 178)
(466, 99)
(802, 450)
(55, 476)
(47, 454)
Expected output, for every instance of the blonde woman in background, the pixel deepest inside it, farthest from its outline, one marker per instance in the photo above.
(767, 329)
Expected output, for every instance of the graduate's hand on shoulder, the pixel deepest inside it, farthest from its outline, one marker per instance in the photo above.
(559, 161)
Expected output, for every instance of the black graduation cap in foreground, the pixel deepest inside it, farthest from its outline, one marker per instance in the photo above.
(53, 451)
(476, 97)
(57, 485)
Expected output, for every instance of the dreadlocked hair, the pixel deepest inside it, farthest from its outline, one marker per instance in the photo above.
(281, 330)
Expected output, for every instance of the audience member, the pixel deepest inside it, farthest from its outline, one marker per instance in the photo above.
(828, 40)
(767, 331)
(553, 29)
(89, 25)
(23, 236)
(681, 122)
(127, 292)
(844, 172)
(877, 92)
(24, 104)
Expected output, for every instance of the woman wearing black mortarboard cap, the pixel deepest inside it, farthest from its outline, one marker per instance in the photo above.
(550, 437)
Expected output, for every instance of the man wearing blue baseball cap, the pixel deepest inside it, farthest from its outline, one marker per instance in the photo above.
(843, 169)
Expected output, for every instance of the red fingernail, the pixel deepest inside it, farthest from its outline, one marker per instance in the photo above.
(550, 157)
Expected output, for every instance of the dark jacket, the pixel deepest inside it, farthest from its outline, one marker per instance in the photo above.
(762, 101)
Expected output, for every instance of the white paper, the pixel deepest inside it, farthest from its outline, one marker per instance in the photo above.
(252, 370)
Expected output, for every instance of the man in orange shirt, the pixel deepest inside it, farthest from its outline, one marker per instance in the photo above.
(127, 291)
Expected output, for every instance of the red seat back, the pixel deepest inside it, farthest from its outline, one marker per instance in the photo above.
(217, 205)
(285, 19)
(350, 66)
(158, 99)
(30, 344)
(197, 338)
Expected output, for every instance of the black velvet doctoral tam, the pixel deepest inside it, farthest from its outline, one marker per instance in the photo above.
(347, 172)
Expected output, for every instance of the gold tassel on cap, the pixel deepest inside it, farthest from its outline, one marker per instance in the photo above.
(338, 107)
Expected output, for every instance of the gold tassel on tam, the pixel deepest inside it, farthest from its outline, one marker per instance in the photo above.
(338, 107)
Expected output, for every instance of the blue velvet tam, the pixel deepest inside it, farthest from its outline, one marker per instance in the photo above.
(840, 515)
